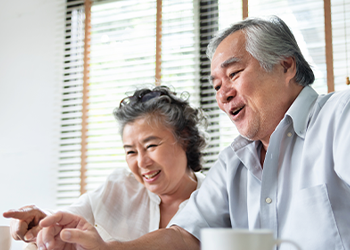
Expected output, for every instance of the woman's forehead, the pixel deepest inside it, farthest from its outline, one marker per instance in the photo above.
(147, 124)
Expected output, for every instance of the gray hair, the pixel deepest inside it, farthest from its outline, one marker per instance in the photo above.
(269, 41)
(174, 112)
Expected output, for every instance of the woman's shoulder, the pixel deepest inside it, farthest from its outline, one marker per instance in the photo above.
(200, 178)
(120, 173)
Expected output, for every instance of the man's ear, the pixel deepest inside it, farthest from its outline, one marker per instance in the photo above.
(289, 67)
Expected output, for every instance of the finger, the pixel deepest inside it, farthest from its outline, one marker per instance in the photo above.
(40, 244)
(50, 237)
(61, 218)
(20, 214)
(18, 229)
(75, 236)
(32, 234)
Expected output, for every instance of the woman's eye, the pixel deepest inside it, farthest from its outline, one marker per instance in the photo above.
(152, 146)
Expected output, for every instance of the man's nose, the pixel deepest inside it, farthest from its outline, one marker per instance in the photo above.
(226, 93)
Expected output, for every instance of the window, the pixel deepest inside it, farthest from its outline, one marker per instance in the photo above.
(122, 55)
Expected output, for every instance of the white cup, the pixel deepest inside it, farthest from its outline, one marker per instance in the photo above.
(5, 238)
(240, 239)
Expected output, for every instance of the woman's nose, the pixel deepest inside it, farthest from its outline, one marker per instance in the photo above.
(143, 160)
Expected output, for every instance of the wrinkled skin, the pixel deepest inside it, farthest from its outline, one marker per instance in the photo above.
(25, 222)
(65, 231)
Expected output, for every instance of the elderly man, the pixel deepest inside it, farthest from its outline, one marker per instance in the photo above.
(288, 171)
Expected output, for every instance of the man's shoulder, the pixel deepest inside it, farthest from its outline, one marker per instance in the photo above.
(329, 110)
(335, 101)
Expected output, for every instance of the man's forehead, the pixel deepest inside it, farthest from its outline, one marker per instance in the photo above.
(230, 47)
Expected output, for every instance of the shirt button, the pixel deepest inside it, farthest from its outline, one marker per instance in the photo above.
(289, 134)
(268, 200)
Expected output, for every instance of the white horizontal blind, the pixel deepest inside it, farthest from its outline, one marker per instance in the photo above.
(70, 141)
(180, 56)
(341, 42)
(122, 57)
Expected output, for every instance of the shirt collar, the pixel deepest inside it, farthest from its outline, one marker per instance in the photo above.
(300, 109)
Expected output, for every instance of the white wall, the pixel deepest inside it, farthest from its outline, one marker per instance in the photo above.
(31, 45)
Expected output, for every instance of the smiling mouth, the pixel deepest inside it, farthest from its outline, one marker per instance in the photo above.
(150, 176)
(236, 111)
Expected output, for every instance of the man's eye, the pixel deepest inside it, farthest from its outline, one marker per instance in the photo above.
(217, 88)
(130, 152)
(232, 75)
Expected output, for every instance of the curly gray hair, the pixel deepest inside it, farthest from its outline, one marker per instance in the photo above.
(162, 105)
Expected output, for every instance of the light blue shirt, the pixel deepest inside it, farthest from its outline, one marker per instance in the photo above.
(303, 192)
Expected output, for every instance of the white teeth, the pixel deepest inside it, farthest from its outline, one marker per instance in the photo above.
(236, 111)
(149, 176)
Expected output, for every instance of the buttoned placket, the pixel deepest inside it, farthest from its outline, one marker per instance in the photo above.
(269, 183)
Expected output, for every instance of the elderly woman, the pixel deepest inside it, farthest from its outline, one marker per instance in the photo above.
(163, 143)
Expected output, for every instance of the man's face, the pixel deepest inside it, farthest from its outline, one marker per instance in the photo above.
(255, 100)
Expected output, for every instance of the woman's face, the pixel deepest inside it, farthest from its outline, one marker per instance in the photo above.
(156, 159)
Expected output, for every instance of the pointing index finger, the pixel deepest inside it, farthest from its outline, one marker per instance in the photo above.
(63, 219)
(20, 214)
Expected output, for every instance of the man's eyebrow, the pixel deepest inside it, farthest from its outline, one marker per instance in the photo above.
(229, 61)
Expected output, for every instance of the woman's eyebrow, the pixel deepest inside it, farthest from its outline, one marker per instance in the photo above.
(150, 138)
(147, 139)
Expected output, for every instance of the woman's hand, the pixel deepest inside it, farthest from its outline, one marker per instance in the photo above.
(65, 231)
(25, 222)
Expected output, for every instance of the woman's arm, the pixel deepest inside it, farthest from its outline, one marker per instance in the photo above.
(25, 222)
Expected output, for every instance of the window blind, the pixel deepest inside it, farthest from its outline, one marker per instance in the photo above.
(180, 56)
(122, 58)
(341, 42)
(71, 104)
